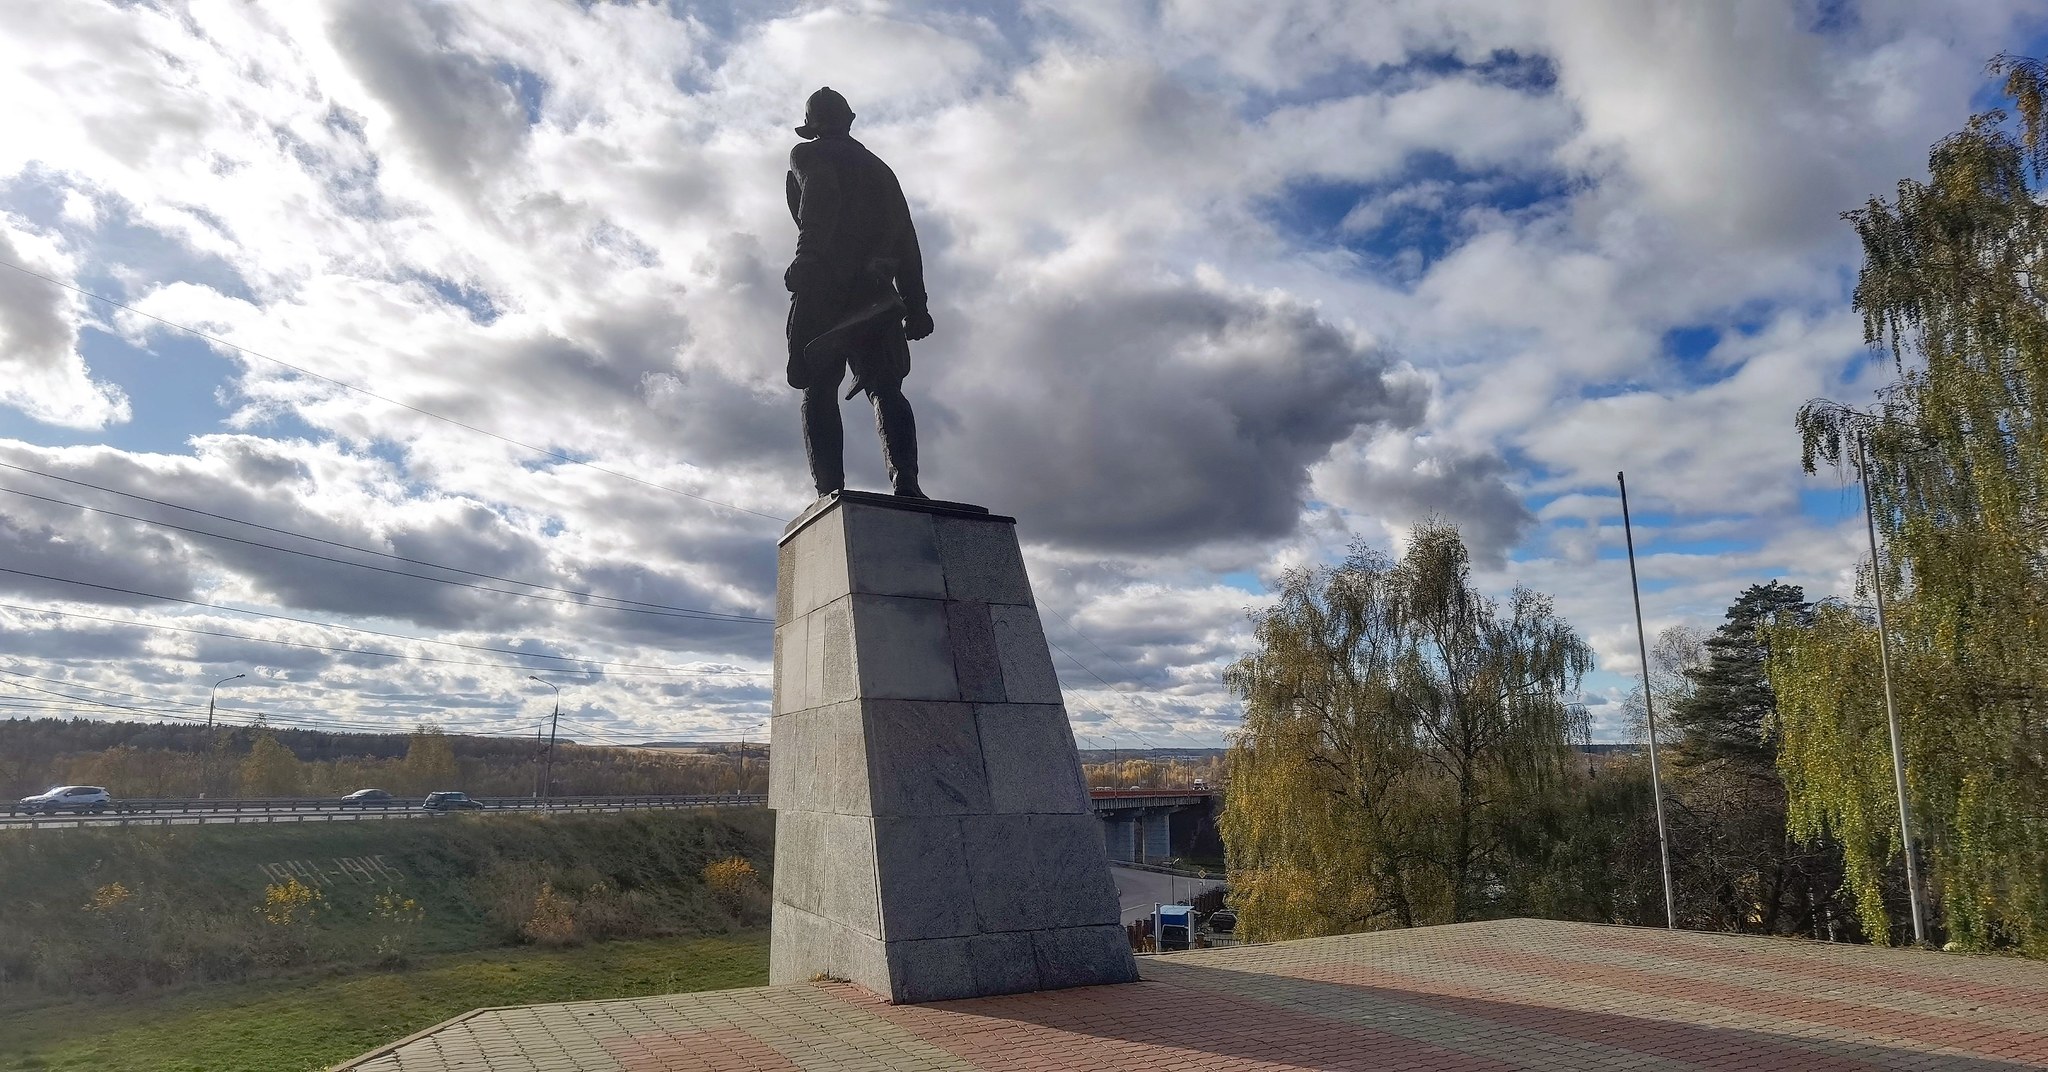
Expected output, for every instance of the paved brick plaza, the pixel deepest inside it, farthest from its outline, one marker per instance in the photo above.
(1518, 994)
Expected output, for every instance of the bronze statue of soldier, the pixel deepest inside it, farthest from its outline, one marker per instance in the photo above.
(856, 293)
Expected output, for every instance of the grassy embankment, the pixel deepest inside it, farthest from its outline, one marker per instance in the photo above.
(182, 923)
(294, 1024)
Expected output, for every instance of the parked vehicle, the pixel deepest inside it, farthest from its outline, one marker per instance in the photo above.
(364, 798)
(81, 798)
(450, 801)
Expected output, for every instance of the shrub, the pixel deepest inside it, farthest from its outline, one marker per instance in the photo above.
(396, 916)
(729, 878)
(553, 921)
(290, 902)
(738, 889)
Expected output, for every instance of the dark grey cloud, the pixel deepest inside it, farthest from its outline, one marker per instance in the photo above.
(1152, 417)
(270, 483)
(449, 108)
(1408, 482)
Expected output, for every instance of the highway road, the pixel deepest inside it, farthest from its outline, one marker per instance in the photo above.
(308, 811)
(1140, 890)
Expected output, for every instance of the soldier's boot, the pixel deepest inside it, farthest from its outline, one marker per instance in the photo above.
(824, 439)
(898, 427)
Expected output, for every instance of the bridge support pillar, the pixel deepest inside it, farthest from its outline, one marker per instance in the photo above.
(934, 838)
(1156, 835)
(1120, 834)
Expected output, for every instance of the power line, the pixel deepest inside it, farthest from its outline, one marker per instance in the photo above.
(96, 688)
(1170, 728)
(544, 451)
(679, 612)
(336, 649)
(329, 625)
(1090, 671)
(338, 543)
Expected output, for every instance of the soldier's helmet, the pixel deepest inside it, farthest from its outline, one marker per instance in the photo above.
(826, 112)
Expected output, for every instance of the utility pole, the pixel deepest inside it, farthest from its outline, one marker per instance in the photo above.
(548, 764)
(538, 749)
(1891, 707)
(1649, 709)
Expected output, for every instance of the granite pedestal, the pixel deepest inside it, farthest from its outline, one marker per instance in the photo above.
(934, 837)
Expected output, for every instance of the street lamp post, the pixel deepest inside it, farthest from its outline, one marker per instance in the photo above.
(1649, 710)
(547, 767)
(1891, 707)
(741, 787)
(214, 692)
(206, 757)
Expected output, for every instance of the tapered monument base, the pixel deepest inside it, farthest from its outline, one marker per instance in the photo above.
(934, 837)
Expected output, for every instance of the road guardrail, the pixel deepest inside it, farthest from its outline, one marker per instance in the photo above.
(173, 811)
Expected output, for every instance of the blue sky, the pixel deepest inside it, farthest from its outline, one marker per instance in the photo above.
(1220, 286)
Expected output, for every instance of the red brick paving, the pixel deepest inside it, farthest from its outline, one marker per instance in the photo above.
(1816, 960)
(1935, 1030)
(1121, 1027)
(725, 1050)
(1486, 997)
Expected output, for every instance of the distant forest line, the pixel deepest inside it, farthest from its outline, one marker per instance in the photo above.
(149, 759)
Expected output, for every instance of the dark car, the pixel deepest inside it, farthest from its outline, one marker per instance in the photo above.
(364, 798)
(448, 801)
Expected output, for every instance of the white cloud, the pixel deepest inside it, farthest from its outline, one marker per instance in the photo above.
(42, 374)
(1182, 369)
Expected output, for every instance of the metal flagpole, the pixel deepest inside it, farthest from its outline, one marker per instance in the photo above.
(1649, 709)
(1891, 708)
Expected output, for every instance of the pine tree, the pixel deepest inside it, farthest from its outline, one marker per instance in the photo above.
(1729, 713)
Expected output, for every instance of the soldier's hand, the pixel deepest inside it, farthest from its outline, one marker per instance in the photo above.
(917, 325)
(801, 274)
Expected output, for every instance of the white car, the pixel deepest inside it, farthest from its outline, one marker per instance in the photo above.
(67, 798)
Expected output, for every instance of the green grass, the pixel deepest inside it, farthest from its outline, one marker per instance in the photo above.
(193, 894)
(296, 1023)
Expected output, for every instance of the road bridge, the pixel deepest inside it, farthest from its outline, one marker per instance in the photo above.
(1137, 824)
